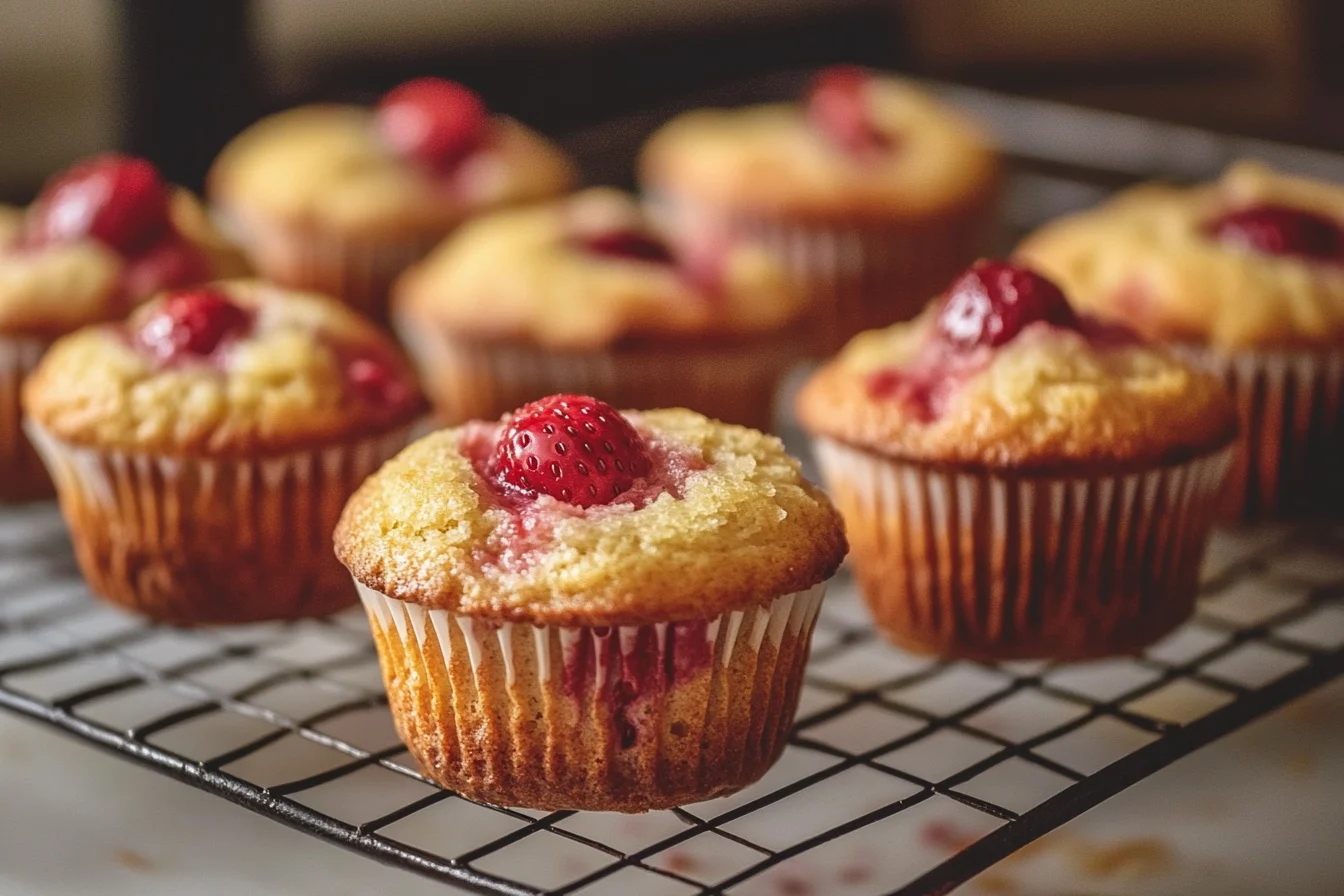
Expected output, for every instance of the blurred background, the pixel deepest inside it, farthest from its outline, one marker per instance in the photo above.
(173, 80)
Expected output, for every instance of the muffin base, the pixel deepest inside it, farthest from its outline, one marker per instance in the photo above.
(733, 382)
(194, 542)
(987, 567)
(358, 271)
(626, 719)
(22, 476)
(1291, 459)
(860, 273)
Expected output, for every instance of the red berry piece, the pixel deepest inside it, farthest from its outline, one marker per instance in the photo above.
(837, 106)
(170, 263)
(1279, 230)
(628, 245)
(572, 447)
(376, 381)
(118, 200)
(994, 300)
(193, 323)
(434, 121)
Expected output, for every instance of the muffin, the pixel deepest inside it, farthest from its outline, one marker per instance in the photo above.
(1020, 481)
(340, 199)
(584, 295)
(870, 190)
(1246, 277)
(100, 238)
(203, 449)
(577, 608)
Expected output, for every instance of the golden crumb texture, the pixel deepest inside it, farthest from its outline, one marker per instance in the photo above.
(325, 168)
(746, 529)
(769, 159)
(1145, 258)
(517, 275)
(1048, 401)
(278, 389)
(50, 292)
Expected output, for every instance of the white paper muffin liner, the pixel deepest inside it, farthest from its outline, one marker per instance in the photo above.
(22, 476)
(194, 541)
(990, 567)
(357, 270)
(1291, 404)
(733, 382)
(625, 718)
(860, 273)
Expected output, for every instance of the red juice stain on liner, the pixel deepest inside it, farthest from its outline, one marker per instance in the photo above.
(633, 670)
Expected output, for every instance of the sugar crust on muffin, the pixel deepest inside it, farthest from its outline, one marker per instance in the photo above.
(769, 157)
(517, 274)
(1145, 257)
(280, 388)
(327, 167)
(1051, 399)
(50, 291)
(725, 522)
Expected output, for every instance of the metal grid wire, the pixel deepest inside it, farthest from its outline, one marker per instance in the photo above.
(904, 775)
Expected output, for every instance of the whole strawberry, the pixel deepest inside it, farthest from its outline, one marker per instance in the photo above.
(838, 107)
(119, 200)
(572, 447)
(192, 323)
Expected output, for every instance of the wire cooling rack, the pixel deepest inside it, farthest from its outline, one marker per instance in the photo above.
(904, 775)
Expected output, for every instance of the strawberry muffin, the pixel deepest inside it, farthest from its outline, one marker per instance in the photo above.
(584, 295)
(870, 190)
(203, 449)
(1246, 277)
(100, 238)
(341, 199)
(577, 608)
(1019, 480)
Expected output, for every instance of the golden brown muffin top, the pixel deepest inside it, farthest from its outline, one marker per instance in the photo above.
(327, 167)
(51, 290)
(1152, 258)
(237, 369)
(723, 521)
(778, 158)
(588, 270)
(1058, 396)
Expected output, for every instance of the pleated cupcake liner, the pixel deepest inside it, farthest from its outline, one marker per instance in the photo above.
(199, 541)
(627, 718)
(859, 273)
(1291, 403)
(22, 476)
(359, 271)
(990, 567)
(466, 380)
